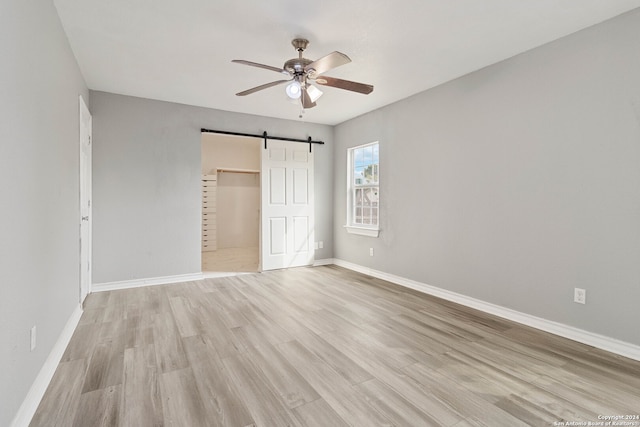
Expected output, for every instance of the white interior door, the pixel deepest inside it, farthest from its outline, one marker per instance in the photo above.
(85, 200)
(287, 205)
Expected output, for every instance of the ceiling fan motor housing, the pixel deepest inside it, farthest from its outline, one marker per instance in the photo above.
(296, 65)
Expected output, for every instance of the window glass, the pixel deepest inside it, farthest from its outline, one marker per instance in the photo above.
(363, 189)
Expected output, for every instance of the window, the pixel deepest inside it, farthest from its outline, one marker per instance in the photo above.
(363, 190)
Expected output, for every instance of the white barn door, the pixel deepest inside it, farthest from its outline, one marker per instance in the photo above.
(287, 205)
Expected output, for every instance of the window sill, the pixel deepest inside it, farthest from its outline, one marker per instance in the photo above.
(362, 231)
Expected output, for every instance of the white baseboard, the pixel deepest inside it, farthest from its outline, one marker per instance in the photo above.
(600, 341)
(326, 261)
(218, 274)
(137, 283)
(40, 384)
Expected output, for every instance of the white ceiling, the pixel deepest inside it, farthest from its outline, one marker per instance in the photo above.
(181, 51)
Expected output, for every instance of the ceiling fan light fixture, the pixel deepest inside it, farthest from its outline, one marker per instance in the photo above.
(314, 93)
(294, 90)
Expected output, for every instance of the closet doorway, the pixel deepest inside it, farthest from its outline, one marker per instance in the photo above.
(230, 204)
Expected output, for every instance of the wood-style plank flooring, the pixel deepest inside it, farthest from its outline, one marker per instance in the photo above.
(321, 347)
(237, 260)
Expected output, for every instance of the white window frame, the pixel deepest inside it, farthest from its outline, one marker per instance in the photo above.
(372, 230)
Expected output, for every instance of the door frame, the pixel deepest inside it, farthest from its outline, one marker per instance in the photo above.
(85, 197)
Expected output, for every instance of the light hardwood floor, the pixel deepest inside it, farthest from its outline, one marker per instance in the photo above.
(321, 347)
(238, 260)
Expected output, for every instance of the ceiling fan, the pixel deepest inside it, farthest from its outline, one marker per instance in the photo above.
(303, 72)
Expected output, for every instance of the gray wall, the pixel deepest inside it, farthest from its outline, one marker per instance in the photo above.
(39, 218)
(146, 183)
(516, 183)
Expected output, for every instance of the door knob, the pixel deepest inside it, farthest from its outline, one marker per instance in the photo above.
(85, 218)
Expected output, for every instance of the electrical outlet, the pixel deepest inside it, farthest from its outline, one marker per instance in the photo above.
(321, 244)
(370, 251)
(579, 296)
(33, 338)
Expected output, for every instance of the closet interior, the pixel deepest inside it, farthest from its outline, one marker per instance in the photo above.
(230, 203)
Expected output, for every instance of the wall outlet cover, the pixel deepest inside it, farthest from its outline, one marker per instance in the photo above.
(579, 296)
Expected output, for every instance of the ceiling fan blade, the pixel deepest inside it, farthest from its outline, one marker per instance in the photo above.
(345, 84)
(306, 100)
(264, 86)
(326, 63)
(266, 67)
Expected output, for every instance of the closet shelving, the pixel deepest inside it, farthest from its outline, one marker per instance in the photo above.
(209, 220)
